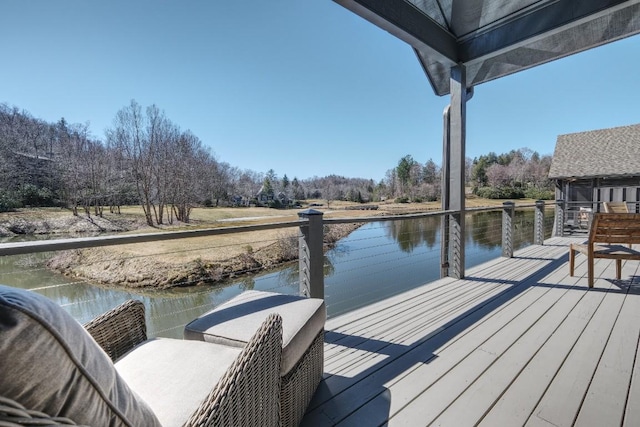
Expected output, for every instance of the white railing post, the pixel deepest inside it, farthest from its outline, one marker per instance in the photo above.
(507, 229)
(311, 258)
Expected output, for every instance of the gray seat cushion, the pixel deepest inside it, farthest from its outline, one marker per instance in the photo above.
(49, 363)
(175, 376)
(234, 322)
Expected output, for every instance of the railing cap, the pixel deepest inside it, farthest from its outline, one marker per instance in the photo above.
(309, 212)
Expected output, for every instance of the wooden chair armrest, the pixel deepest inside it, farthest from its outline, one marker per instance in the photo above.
(248, 394)
(120, 329)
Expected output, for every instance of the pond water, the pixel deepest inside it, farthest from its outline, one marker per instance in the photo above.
(378, 260)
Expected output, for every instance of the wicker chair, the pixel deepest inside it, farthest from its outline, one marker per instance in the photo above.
(247, 394)
(303, 322)
(240, 398)
(120, 329)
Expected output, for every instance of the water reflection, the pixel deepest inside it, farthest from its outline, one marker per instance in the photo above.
(484, 229)
(412, 233)
(376, 261)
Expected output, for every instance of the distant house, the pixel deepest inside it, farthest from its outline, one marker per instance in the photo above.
(264, 195)
(598, 166)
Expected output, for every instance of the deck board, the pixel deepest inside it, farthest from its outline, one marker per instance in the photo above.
(467, 300)
(562, 400)
(470, 407)
(607, 395)
(360, 388)
(412, 320)
(530, 385)
(472, 381)
(517, 342)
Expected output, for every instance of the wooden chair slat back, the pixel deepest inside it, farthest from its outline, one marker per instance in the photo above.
(615, 228)
(615, 207)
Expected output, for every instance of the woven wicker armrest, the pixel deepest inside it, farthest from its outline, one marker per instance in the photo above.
(120, 329)
(249, 392)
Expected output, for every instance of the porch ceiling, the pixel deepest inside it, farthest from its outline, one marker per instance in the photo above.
(495, 38)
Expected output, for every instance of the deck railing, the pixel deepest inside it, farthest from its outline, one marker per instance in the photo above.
(574, 217)
(311, 256)
(311, 262)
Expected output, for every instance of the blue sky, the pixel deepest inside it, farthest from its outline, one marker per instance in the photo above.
(304, 87)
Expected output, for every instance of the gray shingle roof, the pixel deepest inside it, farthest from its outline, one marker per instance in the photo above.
(597, 153)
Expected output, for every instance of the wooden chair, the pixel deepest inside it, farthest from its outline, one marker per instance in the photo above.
(609, 232)
(615, 207)
(584, 217)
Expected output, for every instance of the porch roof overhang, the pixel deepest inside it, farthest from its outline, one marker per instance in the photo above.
(495, 38)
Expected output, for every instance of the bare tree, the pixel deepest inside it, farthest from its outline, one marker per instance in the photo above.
(128, 135)
(247, 183)
(163, 140)
(218, 181)
(498, 175)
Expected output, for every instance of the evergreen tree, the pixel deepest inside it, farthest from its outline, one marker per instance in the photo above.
(267, 188)
(403, 170)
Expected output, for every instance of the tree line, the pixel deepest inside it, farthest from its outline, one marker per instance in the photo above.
(517, 174)
(147, 159)
(513, 175)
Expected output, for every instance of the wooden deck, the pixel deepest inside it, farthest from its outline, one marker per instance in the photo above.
(517, 342)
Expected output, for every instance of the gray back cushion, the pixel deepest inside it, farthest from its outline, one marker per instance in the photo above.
(49, 363)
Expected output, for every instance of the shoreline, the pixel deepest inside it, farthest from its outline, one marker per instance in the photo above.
(110, 266)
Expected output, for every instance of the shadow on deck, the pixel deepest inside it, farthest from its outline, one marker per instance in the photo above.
(517, 342)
